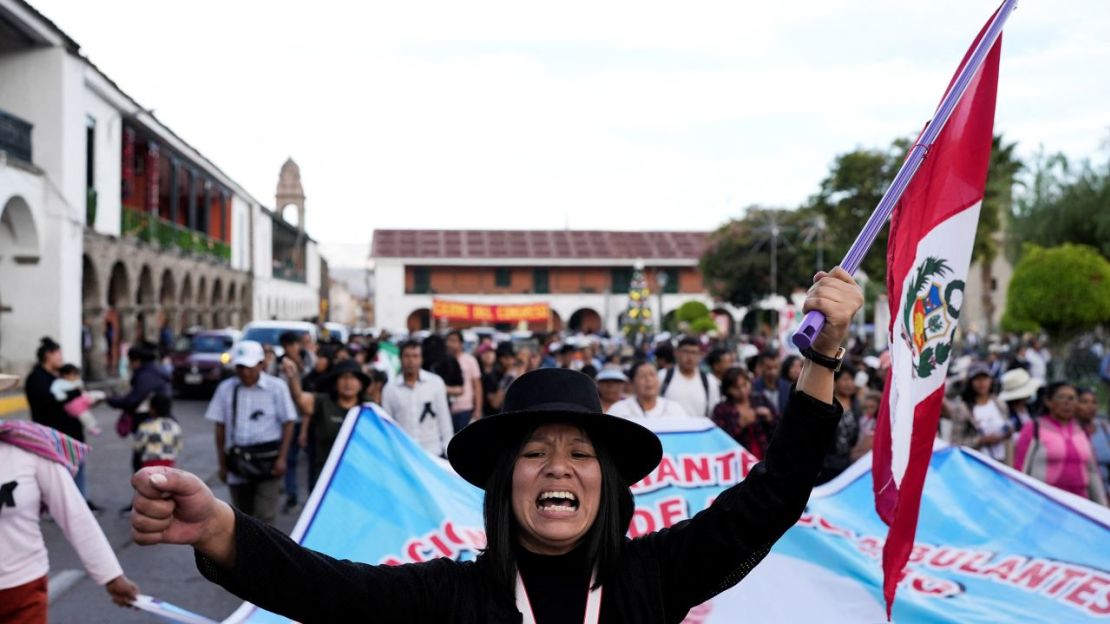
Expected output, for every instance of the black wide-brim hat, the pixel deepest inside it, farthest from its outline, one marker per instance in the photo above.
(342, 368)
(552, 395)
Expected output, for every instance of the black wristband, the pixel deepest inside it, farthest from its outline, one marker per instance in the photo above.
(831, 363)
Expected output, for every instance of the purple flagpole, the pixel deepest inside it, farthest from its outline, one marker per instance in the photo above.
(814, 321)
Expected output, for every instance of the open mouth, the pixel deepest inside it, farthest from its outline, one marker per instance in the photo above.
(557, 501)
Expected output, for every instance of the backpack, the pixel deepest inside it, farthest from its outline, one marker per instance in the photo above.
(704, 384)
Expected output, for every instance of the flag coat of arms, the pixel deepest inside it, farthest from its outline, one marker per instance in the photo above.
(932, 231)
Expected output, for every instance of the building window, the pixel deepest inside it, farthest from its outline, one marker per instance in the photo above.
(90, 171)
(622, 280)
(90, 152)
(540, 284)
(421, 281)
(501, 277)
(671, 286)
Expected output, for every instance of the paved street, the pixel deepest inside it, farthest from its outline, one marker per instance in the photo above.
(166, 572)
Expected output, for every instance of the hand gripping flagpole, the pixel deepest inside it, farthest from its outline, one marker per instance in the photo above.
(814, 321)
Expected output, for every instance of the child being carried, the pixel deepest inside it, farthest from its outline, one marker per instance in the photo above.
(70, 390)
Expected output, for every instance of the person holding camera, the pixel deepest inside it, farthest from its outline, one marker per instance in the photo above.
(254, 416)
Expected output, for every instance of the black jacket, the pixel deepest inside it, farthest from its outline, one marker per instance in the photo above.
(45, 409)
(660, 577)
(147, 380)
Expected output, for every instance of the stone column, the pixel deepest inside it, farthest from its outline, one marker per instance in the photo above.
(94, 358)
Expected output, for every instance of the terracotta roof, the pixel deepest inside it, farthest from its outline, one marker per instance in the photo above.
(537, 244)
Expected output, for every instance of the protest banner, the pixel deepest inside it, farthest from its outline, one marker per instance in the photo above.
(993, 545)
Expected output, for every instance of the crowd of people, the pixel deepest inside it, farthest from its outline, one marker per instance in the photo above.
(283, 408)
(999, 403)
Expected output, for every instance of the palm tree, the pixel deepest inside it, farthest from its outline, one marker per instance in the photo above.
(994, 217)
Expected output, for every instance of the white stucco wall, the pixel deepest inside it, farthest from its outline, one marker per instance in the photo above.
(240, 233)
(288, 301)
(44, 87)
(312, 264)
(344, 308)
(107, 159)
(32, 288)
(263, 236)
(392, 306)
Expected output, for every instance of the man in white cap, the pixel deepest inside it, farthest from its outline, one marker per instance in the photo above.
(254, 416)
(611, 385)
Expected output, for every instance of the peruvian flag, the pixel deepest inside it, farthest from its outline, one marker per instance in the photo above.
(931, 234)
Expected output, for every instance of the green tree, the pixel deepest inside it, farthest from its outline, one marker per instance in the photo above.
(997, 205)
(1064, 290)
(1064, 203)
(691, 311)
(850, 193)
(738, 265)
(695, 317)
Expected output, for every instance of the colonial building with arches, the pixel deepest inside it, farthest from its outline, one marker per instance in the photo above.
(582, 276)
(114, 229)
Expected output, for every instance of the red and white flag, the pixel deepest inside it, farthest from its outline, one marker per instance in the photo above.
(931, 234)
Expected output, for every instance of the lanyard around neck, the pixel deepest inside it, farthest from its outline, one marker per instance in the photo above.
(593, 603)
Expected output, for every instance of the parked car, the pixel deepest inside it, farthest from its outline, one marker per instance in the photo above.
(338, 332)
(268, 333)
(202, 360)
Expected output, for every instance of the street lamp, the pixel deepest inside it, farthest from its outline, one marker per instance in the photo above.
(661, 278)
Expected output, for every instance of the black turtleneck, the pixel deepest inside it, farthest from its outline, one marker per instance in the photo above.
(557, 585)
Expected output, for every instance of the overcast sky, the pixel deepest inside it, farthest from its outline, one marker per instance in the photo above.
(611, 115)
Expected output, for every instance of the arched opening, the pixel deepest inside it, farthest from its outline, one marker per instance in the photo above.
(202, 292)
(670, 324)
(556, 322)
(187, 290)
(119, 294)
(92, 345)
(145, 295)
(167, 299)
(760, 323)
(726, 325)
(119, 286)
(18, 234)
(585, 321)
(217, 292)
(166, 294)
(217, 301)
(232, 311)
(144, 298)
(90, 285)
(419, 319)
(290, 213)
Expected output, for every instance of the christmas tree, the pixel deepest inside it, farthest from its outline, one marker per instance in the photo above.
(637, 317)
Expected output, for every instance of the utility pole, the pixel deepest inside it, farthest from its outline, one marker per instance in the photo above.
(774, 257)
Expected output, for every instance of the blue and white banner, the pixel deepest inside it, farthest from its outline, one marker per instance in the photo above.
(992, 545)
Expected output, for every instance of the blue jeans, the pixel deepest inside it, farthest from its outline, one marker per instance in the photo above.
(459, 419)
(79, 479)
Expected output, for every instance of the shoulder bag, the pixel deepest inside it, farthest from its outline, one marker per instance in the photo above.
(254, 462)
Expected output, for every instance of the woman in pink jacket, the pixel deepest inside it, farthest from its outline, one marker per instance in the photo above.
(1054, 448)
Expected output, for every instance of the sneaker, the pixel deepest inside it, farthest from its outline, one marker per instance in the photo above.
(93, 507)
(290, 504)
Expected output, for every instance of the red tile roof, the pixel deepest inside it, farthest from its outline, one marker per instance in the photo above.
(578, 244)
